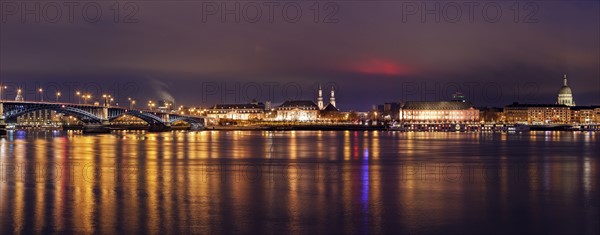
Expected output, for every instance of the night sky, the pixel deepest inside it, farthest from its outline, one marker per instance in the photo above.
(371, 51)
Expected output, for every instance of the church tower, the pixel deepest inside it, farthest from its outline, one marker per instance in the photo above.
(332, 98)
(320, 99)
(565, 95)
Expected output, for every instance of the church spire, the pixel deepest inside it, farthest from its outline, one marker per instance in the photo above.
(332, 98)
(320, 98)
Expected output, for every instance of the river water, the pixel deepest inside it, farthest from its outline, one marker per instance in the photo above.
(302, 182)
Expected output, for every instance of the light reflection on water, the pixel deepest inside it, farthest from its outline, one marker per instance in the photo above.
(299, 182)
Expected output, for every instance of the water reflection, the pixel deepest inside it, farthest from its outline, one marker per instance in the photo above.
(299, 182)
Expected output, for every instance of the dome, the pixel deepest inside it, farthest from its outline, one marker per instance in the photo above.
(565, 90)
(565, 95)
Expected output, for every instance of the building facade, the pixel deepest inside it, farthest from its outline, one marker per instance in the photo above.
(438, 112)
(298, 110)
(516, 113)
(537, 114)
(585, 114)
(39, 118)
(253, 111)
(330, 112)
(491, 115)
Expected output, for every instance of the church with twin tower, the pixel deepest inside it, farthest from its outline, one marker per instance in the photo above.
(331, 104)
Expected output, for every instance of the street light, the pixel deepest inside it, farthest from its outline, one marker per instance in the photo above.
(105, 97)
(108, 99)
(57, 96)
(131, 102)
(86, 97)
(150, 104)
(78, 94)
(41, 94)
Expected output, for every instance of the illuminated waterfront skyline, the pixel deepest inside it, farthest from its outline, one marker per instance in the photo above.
(299, 117)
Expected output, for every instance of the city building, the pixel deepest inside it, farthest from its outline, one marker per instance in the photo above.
(165, 105)
(252, 111)
(458, 97)
(565, 95)
(438, 112)
(516, 113)
(298, 110)
(392, 109)
(330, 112)
(491, 114)
(584, 114)
(536, 114)
(387, 111)
(39, 118)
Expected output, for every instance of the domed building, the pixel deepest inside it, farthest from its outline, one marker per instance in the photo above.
(565, 95)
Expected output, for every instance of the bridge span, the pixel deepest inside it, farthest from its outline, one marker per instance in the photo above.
(96, 115)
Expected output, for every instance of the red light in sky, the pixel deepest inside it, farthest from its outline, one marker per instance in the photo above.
(380, 66)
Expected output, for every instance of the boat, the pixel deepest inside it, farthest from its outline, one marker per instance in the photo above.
(517, 128)
(95, 129)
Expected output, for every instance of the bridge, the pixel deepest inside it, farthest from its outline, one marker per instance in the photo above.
(97, 115)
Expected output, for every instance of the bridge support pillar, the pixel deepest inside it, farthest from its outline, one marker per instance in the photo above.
(2, 124)
(166, 119)
(104, 115)
(1, 112)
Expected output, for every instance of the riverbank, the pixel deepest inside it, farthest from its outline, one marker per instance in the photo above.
(347, 127)
(123, 127)
(299, 127)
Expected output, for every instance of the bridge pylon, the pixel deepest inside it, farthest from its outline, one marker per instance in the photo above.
(2, 124)
(166, 119)
(1, 112)
(104, 115)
